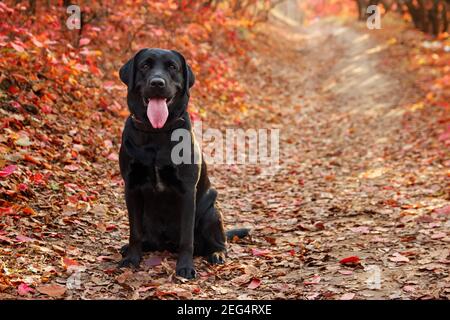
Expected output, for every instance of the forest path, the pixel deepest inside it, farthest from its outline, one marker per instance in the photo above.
(351, 183)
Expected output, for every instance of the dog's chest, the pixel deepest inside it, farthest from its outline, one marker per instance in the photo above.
(154, 171)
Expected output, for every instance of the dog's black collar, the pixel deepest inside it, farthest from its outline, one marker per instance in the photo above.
(146, 127)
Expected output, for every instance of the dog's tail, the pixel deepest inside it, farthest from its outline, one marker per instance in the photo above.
(207, 201)
(238, 232)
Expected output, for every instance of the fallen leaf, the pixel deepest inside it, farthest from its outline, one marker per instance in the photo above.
(84, 41)
(18, 47)
(409, 288)
(361, 229)
(352, 260)
(438, 235)
(23, 141)
(346, 272)
(122, 278)
(52, 290)
(347, 296)
(260, 253)
(6, 171)
(68, 263)
(71, 265)
(255, 283)
(443, 210)
(21, 238)
(397, 257)
(23, 289)
(153, 261)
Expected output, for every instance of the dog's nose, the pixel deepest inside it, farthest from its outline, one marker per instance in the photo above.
(157, 82)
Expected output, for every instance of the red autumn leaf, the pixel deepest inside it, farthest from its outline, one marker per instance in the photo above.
(28, 211)
(350, 260)
(111, 227)
(46, 109)
(67, 263)
(23, 289)
(319, 225)
(6, 171)
(15, 105)
(37, 178)
(255, 283)
(13, 90)
(6, 210)
(260, 253)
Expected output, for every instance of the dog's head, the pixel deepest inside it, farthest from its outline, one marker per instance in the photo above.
(158, 85)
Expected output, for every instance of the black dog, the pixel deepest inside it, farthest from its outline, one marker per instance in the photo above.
(171, 206)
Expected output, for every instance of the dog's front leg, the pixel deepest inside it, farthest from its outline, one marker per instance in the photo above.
(133, 253)
(185, 263)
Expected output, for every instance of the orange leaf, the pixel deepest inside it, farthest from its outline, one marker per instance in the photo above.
(67, 263)
(29, 211)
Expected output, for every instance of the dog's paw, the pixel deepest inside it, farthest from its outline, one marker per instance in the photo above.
(186, 272)
(216, 257)
(124, 250)
(130, 260)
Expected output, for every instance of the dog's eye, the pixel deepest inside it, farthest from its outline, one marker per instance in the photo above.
(173, 67)
(145, 66)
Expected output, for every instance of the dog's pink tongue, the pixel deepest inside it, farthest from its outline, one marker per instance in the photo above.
(157, 112)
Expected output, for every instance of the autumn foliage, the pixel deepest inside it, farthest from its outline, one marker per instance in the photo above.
(62, 104)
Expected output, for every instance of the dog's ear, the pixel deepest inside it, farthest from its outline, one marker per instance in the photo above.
(128, 70)
(189, 77)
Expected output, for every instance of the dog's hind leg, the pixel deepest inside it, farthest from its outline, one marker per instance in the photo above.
(212, 240)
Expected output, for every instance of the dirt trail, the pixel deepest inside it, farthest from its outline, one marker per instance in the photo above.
(349, 184)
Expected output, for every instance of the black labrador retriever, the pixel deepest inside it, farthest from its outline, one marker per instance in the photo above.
(171, 205)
